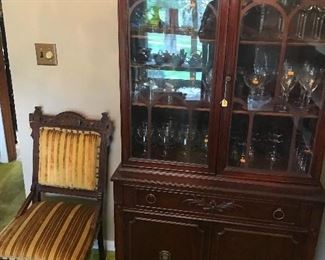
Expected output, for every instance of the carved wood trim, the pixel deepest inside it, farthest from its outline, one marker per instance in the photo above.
(211, 204)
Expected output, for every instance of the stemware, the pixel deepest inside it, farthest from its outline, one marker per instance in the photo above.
(167, 135)
(201, 139)
(275, 140)
(309, 82)
(142, 137)
(303, 153)
(287, 81)
(255, 80)
(185, 137)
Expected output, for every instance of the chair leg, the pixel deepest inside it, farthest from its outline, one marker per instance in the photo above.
(100, 238)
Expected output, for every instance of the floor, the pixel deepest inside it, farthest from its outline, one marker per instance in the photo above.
(12, 191)
(12, 195)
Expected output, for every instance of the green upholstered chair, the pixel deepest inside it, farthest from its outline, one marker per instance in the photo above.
(70, 158)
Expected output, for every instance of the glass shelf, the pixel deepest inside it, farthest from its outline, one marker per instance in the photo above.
(152, 65)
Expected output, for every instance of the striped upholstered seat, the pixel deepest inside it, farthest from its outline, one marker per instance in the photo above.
(70, 158)
(50, 230)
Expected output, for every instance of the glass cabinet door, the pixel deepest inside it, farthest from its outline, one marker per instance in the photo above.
(279, 91)
(172, 50)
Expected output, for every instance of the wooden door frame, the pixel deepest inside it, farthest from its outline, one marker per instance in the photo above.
(5, 102)
(6, 111)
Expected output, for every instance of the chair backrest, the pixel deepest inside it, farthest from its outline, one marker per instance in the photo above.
(70, 153)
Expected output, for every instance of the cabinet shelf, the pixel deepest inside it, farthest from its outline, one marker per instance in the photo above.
(307, 42)
(141, 30)
(294, 42)
(296, 113)
(145, 37)
(153, 66)
(192, 105)
(260, 42)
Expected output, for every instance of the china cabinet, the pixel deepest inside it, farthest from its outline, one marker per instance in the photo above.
(223, 124)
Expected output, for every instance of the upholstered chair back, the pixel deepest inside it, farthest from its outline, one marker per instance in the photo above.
(68, 158)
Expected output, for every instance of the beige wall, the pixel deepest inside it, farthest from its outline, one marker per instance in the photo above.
(86, 79)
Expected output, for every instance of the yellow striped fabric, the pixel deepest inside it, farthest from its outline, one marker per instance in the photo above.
(68, 158)
(50, 231)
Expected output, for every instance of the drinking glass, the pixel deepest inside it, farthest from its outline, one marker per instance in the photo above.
(288, 81)
(275, 140)
(255, 80)
(167, 136)
(309, 82)
(303, 153)
(185, 137)
(142, 136)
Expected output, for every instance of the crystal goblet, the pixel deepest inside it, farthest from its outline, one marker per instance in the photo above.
(309, 82)
(287, 81)
(255, 81)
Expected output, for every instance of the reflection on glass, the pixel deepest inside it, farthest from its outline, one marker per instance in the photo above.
(171, 77)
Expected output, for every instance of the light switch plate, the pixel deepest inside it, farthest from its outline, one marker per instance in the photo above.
(46, 54)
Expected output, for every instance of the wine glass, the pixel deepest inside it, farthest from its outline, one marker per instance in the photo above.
(142, 136)
(167, 136)
(287, 81)
(303, 153)
(255, 80)
(275, 140)
(185, 137)
(309, 81)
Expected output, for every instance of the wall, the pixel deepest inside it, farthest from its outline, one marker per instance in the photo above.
(86, 79)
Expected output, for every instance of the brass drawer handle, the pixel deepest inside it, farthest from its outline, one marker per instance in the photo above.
(164, 255)
(151, 198)
(278, 214)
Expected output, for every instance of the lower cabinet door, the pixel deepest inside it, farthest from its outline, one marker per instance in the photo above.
(152, 238)
(237, 243)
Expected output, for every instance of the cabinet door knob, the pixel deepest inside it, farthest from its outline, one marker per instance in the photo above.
(278, 214)
(151, 198)
(164, 255)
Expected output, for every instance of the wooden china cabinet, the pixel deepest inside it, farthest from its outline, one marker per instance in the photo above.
(223, 129)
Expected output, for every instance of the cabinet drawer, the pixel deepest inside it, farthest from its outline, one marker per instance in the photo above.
(214, 206)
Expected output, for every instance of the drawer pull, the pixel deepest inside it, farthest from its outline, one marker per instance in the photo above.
(164, 255)
(278, 214)
(151, 198)
(211, 205)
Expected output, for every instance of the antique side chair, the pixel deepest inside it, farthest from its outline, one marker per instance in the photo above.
(70, 159)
